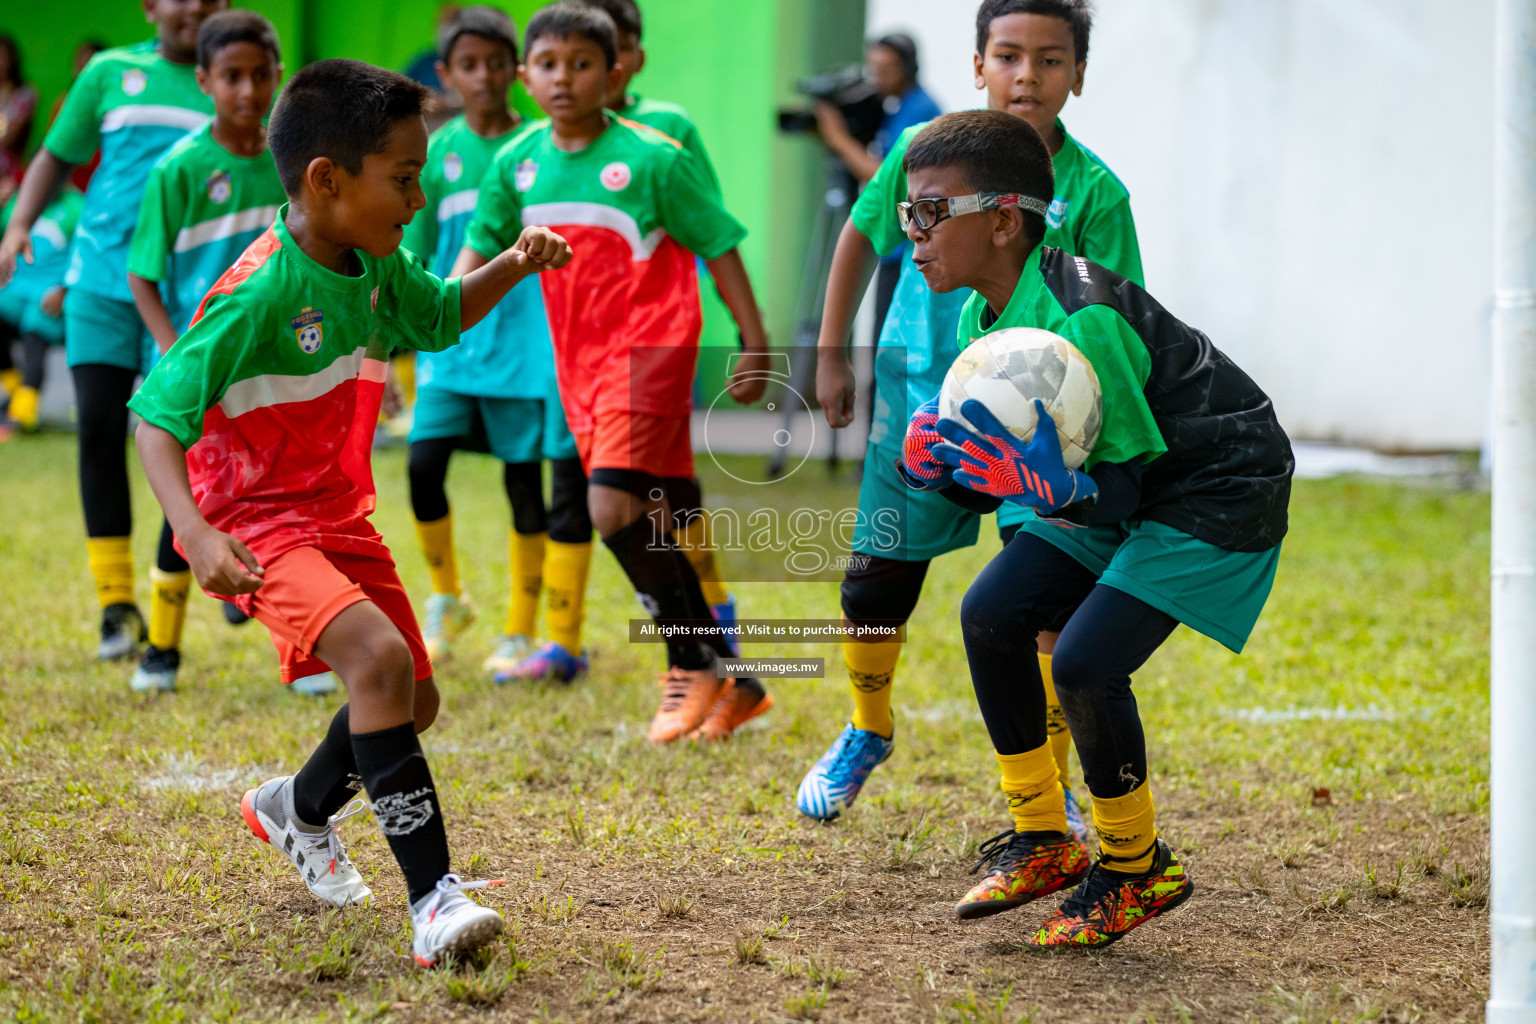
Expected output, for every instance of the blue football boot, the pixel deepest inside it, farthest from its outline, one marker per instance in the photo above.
(725, 614)
(833, 783)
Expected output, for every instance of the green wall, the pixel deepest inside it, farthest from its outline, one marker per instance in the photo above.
(732, 63)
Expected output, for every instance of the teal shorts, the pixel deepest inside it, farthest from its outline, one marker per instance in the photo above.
(512, 429)
(904, 525)
(1210, 589)
(23, 311)
(102, 330)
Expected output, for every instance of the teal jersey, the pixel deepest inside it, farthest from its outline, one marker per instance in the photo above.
(672, 121)
(203, 206)
(508, 354)
(1090, 216)
(51, 236)
(134, 105)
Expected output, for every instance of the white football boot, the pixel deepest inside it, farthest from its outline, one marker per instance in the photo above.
(316, 852)
(446, 921)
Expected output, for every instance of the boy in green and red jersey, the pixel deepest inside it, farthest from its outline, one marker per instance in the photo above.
(258, 426)
(501, 380)
(686, 498)
(207, 199)
(1030, 58)
(625, 323)
(133, 103)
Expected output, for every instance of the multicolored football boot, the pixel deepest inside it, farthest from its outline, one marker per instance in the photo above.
(1075, 823)
(1023, 866)
(1109, 904)
(834, 782)
(552, 661)
(447, 615)
(510, 650)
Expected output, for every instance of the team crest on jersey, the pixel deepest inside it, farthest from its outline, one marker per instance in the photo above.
(309, 329)
(453, 167)
(134, 81)
(524, 174)
(1057, 213)
(615, 176)
(219, 187)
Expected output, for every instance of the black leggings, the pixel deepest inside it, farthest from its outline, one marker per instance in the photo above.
(34, 355)
(1108, 634)
(101, 398)
(881, 590)
(567, 519)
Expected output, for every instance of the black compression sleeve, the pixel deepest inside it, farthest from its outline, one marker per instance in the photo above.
(970, 500)
(1119, 491)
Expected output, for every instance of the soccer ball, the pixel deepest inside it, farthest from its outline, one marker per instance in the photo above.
(1008, 369)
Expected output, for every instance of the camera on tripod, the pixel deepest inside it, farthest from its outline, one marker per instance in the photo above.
(846, 89)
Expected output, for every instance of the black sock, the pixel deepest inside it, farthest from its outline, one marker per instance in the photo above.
(329, 778)
(399, 784)
(668, 587)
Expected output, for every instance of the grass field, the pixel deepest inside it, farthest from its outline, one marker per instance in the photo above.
(1327, 791)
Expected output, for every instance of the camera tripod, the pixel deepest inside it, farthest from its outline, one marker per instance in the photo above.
(836, 202)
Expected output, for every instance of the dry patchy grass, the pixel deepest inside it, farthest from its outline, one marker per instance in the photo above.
(680, 884)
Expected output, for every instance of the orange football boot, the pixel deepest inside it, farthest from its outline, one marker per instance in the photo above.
(687, 695)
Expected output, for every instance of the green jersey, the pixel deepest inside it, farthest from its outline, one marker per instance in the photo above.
(275, 389)
(134, 105)
(672, 121)
(1118, 356)
(506, 355)
(203, 206)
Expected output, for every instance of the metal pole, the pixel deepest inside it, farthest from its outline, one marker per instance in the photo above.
(1512, 735)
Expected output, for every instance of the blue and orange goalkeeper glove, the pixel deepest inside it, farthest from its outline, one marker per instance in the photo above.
(997, 463)
(919, 467)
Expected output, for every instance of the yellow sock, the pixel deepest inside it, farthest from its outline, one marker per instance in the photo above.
(1056, 730)
(10, 380)
(1034, 792)
(526, 567)
(405, 373)
(565, 583)
(869, 677)
(167, 607)
(24, 407)
(699, 549)
(437, 544)
(111, 562)
(1127, 833)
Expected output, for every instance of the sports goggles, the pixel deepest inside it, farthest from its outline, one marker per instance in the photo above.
(925, 213)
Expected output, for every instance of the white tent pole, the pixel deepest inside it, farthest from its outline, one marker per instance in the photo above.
(1512, 739)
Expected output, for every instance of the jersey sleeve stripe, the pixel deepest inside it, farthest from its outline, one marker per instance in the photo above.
(269, 389)
(227, 226)
(640, 126)
(597, 215)
(152, 114)
(459, 202)
(249, 262)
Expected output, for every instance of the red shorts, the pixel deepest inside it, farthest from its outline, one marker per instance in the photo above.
(305, 588)
(642, 441)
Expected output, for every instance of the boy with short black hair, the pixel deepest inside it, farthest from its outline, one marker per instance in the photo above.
(625, 323)
(1031, 56)
(207, 199)
(500, 382)
(1176, 516)
(132, 103)
(257, 430)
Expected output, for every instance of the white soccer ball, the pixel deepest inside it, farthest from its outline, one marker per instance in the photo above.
(1008, 369)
